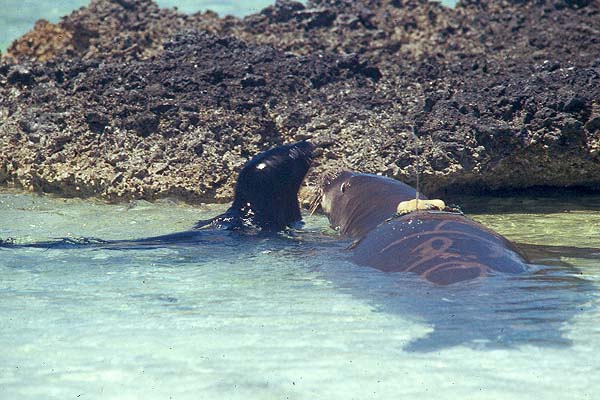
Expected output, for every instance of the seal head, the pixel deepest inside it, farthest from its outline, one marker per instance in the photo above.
(356, 203)
(266, 191)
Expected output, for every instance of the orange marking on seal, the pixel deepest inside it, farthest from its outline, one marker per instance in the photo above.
(418, 234)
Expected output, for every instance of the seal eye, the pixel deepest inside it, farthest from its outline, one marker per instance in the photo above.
(343, 187)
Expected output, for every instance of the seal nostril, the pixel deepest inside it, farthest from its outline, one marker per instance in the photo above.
(317, 152)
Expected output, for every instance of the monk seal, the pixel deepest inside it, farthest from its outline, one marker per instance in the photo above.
(443, 247)
(356, 203)
(265, 200)
(266, 191)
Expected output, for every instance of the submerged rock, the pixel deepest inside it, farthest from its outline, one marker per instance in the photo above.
(124, 100)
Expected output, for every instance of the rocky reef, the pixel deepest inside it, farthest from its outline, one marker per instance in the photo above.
(124, 100)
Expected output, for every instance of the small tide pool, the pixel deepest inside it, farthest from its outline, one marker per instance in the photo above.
(288, 317)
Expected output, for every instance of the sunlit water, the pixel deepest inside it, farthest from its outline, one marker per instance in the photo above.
(286, 317)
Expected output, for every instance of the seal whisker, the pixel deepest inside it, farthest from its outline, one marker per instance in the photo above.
(316, 200)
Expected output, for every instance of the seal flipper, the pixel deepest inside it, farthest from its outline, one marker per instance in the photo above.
(58, 243)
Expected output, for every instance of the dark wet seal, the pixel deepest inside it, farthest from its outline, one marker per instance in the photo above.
(444, 247)
(266, 191)
(266, 200)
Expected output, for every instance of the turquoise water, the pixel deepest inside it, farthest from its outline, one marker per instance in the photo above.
(286, 317)
(18, 16)
(282, 317)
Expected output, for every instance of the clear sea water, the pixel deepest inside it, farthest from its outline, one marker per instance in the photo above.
(18, 16)
(287, 317)
(282, 317)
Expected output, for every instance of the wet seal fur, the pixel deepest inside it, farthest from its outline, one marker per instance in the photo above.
(265, 200)
(266, 191)
(443, 247)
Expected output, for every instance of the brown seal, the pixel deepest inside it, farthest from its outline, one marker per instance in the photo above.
(443, 247)
(356, 203)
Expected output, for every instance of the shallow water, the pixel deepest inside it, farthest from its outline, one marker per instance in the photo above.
(286, 316)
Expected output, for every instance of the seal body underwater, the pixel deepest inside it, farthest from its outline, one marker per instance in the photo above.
(265, 200)
(443, 247)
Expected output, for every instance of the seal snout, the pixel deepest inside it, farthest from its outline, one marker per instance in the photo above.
(306, 147)
(327, 195)
(303, 150)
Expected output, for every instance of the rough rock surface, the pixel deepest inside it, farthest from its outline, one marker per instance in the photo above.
(124, 100)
